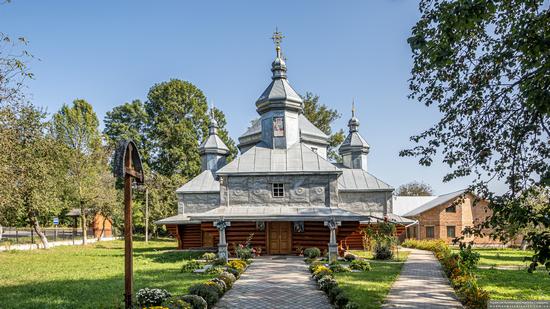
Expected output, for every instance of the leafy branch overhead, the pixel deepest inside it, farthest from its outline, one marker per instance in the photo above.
(485, 65)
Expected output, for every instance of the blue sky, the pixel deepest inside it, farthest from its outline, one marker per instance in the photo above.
(111, 52)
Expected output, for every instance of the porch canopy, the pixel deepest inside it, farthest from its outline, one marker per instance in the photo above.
(177, 219)
(278, 213)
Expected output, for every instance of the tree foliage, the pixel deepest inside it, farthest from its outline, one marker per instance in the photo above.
(323, 117)
(77, 128)
(13, 68)
(30, 169)
(485, 65)
(168, 128)
(414, 188)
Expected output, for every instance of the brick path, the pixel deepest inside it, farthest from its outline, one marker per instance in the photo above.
(275, 284)
(421, 284)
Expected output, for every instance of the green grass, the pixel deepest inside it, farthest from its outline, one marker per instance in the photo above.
(90, 276)
(369, 289)
(515, 284)
(502, 257)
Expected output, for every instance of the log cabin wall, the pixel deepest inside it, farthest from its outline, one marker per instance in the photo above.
(315, 234)
(354, 241)
(190, 235)
(239, 232)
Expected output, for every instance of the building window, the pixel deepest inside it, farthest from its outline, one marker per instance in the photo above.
(278, 190)
(451, 231)
(429, 232)
(451, 208)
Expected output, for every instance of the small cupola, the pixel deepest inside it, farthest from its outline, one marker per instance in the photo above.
(354, 149)
(213, 150)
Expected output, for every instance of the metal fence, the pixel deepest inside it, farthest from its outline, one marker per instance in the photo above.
(26, 235)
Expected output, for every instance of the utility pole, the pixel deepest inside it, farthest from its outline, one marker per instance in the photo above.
(146, 215)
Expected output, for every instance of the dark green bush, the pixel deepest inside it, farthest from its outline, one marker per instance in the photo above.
(312, 253)
(338, 268)
(177, 302)
(190, 266)
(219, 262)
(220, 283)
(333, 293)
(341, 301)
(196, 302)
(360, 265)
(351, 305)
(234, 272)
(327, 283)
(382, 252)
(206, 291)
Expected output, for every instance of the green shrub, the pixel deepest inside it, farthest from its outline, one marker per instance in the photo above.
(215, 270)
(351, 305)
(228, 278)
(338, 268)
(195, 301)
(472, 296)
(244, 253)
(190, 266)
(333, 293)
(468, 258)
(218, 288)
(327, 283)
(178, 302)
(220, 283)
(234, 272)
(341, 301)
(151, 297)
(206, 291)
(312, 253)
(382, 252)
(209, 256)
(360, 265)
(219, 262)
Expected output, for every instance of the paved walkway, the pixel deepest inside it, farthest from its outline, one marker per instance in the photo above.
(275, 283)
(421, 284)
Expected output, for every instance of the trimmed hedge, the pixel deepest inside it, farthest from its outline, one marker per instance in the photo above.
(327, 283)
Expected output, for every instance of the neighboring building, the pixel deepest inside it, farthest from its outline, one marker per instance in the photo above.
(97, 225)
(281, 188)
(444, 216)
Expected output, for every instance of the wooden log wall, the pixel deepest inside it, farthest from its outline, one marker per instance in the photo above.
(190, 235)
(239, 232)
(173, 231)
(354, 241)
(315, 234)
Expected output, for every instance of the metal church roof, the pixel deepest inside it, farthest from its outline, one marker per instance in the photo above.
(298, 159)
(203, 183)
(356, 179)
(279, 213)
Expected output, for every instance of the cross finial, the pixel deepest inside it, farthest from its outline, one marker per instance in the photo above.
(277, 39)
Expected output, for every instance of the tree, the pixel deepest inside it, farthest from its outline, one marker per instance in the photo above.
(13, 68)
(76, 127)
(178, 122)
(414, 188)
(323, 117)
(168, 128)
(30, 172)
(486, 66)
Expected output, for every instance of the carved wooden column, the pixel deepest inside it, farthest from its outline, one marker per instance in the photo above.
(332, 245)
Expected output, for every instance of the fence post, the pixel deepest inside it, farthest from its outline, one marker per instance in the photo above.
(16, 236)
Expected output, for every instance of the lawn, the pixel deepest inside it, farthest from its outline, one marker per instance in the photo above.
(515, 284)
(502, 257)
(90, 276)
(369, 289)
(402, 256)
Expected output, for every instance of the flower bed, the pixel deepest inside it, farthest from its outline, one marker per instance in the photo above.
(323, 274)
(201, 295)
(459, 269)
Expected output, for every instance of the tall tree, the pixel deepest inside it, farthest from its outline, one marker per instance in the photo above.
(323, 117)
(168, 128)
(178, 122)
(30, 172)
(77, 128)
(414, 188)
(485, 65)
(13, 68)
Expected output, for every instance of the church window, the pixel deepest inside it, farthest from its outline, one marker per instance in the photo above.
(451, 208)
(429, 232)
(278, 190)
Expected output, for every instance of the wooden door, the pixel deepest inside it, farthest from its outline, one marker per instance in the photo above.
(280, 241)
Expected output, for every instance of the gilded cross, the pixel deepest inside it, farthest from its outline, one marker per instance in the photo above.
(277, 37)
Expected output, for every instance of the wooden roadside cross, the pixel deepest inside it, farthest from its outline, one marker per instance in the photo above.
(127, 166)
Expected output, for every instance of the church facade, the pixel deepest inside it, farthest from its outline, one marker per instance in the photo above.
(281, 191)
